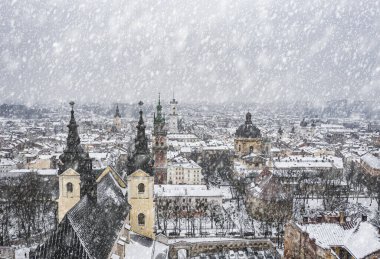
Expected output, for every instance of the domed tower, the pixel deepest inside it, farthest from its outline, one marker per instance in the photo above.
(159, 146)
(140, 178)
(248, 138)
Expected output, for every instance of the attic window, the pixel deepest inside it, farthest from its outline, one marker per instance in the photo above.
(141, 219)
(141, 188)
(69, 187)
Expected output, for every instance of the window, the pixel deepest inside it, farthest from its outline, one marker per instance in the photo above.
(69, 187)
(141, 188)
(141, 219)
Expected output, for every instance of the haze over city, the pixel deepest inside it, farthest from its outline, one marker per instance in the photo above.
(204, 51)
(173, 129)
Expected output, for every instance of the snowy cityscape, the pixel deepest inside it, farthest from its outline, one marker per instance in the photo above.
(169, 180)
(219, 129)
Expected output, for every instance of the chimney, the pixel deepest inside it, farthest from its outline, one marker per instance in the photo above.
(364, 217)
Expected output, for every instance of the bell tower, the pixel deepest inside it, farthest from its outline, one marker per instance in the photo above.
(159, 146)
(69, 192)
(140, 197)
(75, 176)
(140, 180)
(173, 116)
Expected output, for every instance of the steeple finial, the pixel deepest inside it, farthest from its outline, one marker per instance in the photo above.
(72, 119)
(159, 99)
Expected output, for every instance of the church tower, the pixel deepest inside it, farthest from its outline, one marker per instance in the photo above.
(140, 180)
(116, 127)
(69, 192)
(159, 146)
(173, 116)
(75, 171)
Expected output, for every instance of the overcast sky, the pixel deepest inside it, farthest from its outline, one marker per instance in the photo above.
(204, 50)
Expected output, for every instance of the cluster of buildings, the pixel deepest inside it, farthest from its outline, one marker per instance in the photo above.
(155, 188)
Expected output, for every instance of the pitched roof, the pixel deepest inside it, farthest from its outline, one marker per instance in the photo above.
(371, 160)
(361, 240)
(89, 230)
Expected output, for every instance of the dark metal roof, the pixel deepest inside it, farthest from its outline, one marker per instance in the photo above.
(248, 130)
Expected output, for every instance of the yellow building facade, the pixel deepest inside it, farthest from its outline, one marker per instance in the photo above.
(141, 199)
(69, 192)
(245, 146)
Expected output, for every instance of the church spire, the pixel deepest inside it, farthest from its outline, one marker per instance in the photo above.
(73, 140)
(117, 113)
(141, 157)
(73, 153)
(159, 120)
(141, 142)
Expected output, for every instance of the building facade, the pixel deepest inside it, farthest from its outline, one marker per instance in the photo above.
(183, 171)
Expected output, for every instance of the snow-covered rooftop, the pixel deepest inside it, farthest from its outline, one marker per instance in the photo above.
(361, 240)
(371, 161)
(173, 190)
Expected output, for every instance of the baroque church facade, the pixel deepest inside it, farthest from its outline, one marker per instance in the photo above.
(250, 146)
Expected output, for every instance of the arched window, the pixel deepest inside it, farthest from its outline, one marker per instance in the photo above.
(141, 219)
(141, 188)
(250, 149)
(69, 187)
